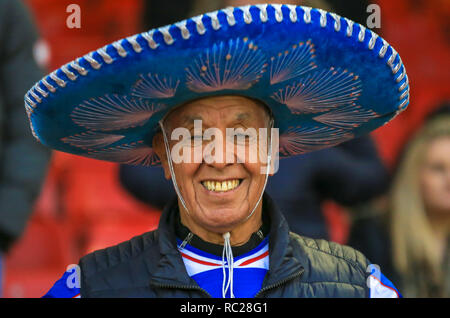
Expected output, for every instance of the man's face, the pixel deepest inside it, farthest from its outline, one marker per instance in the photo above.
(218, 195)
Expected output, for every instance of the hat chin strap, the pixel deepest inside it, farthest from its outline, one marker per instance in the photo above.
(227, 251)
(269, 162)
(172, 173)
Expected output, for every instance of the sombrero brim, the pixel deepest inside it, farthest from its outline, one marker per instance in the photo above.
(325, 78)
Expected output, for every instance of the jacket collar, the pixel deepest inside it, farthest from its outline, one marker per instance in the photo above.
(283, 262)
(170, 269)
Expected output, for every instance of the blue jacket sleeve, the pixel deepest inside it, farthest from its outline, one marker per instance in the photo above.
(380, 286)
(68, 286)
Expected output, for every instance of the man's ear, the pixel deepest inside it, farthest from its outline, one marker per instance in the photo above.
(160, 149)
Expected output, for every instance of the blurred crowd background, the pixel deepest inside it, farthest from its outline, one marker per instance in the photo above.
(387, 194)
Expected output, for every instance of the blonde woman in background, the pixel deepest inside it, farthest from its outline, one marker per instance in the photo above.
(420, 211)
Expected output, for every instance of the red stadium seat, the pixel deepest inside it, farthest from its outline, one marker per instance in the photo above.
(37, 260)
(337, 220)
(78, 194)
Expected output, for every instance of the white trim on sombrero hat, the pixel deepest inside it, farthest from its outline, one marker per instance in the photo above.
(209, 24)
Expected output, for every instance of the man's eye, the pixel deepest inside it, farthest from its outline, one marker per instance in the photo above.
(244, 138)
(241, 136)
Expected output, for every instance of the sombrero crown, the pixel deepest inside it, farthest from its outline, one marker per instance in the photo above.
(325, 78)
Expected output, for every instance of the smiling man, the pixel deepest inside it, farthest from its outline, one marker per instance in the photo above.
(205, 98)
(219, 200)
(218, 196)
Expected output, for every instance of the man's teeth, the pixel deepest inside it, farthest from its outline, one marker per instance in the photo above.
(221, 186)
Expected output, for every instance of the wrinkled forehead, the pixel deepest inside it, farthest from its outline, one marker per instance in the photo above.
(219, 111)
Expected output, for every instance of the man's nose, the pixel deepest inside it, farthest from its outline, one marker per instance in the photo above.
(219, 152)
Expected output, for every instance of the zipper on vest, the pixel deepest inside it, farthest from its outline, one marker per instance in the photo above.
(279, 283)
(193, 287)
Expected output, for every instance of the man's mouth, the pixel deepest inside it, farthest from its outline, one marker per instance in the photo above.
(221, 186)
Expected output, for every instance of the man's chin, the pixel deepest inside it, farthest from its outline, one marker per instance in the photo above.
(222, 218)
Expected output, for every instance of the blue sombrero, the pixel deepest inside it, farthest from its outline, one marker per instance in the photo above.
(325, 78)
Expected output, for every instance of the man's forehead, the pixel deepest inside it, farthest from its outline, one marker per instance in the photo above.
(237, 116)
(218, 109)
